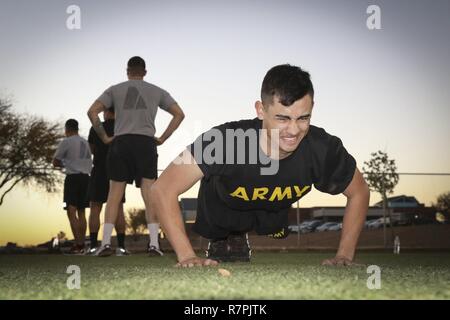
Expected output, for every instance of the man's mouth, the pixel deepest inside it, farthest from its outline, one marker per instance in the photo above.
(289, 140)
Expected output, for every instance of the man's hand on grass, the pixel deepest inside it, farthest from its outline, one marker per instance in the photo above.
(340, 261)
(196, 262)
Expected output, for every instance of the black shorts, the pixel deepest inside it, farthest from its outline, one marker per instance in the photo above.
(75, 190)
(99, 186)
(132, 157)
(216, 220)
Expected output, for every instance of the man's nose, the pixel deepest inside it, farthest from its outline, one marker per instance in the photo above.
(293, 128)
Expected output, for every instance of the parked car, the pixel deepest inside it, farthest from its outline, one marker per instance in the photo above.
(336, 227)
(378, 223)
(311, 226)
(369, 222)
(325, 226)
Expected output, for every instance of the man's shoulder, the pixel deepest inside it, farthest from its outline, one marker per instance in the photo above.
(320, 141)
(152, 87)
(319, 135)
(76, 138)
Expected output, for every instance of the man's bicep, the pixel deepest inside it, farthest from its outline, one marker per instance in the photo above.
(181, 174)
(97, 107)
(175, 110)
(356, 185)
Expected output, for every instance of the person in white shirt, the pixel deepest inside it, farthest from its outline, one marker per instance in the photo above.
(74, 155)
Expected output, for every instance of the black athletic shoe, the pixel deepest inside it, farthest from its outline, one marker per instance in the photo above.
(91, 252)
(76, 250)
(219, 250)
(105, 251)
(239, 248)
(121, 252)
(283, 233)
(154, 251)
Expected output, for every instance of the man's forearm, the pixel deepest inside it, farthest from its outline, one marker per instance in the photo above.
(168, 212)
(173, 125)
(354, 218)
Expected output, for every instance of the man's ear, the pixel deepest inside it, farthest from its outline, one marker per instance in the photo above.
(145, 73)
(259, 110)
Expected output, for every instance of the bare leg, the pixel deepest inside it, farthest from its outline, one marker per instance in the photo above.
(94, 216)
(116, 191)
(150, 215)
(82, 225)
(145, 192)
(74, 225)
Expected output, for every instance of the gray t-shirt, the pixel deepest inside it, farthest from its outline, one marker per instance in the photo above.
(75, 155)
(135, 103)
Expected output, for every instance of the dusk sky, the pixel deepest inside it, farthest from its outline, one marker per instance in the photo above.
(386, 89)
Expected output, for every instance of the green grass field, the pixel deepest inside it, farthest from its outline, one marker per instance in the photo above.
(270, 275)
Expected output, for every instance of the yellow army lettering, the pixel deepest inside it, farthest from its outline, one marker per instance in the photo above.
(262, 193)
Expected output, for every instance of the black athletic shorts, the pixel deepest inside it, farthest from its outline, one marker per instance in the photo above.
(132, 157)
(99, 186)
(75, 190)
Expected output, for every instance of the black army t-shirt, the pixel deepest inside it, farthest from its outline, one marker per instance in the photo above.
(234, 191)
(101, 149)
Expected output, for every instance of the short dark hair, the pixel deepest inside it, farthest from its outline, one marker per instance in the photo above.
(71, 125)
(136, 65)
(289, 83)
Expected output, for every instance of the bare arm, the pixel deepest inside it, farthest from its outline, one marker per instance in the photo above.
(177, 117)
(93, 112)
(358, 196)
(175, 180)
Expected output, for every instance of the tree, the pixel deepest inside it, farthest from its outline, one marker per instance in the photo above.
(442, 205)
(27, 146)
(381, 175)
(136, 221)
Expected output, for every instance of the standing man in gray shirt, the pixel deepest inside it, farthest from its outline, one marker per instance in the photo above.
(74, 155)
(132, 155)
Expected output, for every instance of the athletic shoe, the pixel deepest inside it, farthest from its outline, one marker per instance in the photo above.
(120, 252)
(154, 251)
(283, 233)
(239, 248)
(105, 251)
(91, 252)
(76, 250)
(219, 250)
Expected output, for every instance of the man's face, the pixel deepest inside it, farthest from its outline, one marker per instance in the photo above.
(292, 122)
